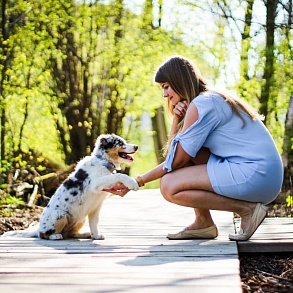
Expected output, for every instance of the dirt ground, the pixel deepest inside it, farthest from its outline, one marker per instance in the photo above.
(267, 273)
(259, 273)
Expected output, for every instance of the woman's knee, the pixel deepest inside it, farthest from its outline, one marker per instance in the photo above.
(166, 187)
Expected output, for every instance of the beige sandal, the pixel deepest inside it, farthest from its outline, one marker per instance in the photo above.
(257, 218)
(205, 233)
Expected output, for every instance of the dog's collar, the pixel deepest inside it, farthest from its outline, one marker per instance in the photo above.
(109, 165)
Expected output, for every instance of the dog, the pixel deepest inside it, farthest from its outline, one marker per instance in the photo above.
(81, 195)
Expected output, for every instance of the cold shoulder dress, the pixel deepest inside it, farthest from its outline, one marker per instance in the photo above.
(244, 162)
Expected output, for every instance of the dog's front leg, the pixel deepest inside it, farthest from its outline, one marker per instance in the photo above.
(93, 223)
(110, 180)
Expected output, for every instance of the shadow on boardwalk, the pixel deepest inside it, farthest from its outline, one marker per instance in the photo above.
(136, 256)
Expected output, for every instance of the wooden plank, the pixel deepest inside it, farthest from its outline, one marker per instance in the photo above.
(126, 275)
(260, 246)
(154, 247)
(126, 265)
(274, 235)
(135, 257)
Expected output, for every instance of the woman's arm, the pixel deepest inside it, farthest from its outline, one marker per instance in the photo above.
(181, 158)
(157, 172)
(153, 174)
(178, 114)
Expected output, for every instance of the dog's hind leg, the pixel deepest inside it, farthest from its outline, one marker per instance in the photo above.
(93, 222)
(55, 233)
(85, 235)
(74, 233)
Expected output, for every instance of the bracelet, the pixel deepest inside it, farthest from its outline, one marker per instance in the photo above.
(139, 181)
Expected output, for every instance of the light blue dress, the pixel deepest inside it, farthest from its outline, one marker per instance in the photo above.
(245, 163)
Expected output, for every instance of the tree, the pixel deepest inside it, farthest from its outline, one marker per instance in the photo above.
(87, 105)
(159, 133)
(9, 21)
(288, 149)
(284, 72)
(248, 85)
(116, 109)
(246, 40)
(268, 76)
(92, 66)
(70, 76)
(158, 117)
(6, 56)
(13, 21)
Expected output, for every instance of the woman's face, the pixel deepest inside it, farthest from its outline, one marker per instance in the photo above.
(170, 94)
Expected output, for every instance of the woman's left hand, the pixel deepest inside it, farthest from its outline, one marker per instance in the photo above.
(118, 189)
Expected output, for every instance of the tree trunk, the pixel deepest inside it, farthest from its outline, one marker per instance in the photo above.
(288, 149)
(271, 6)
(116, 115)
(159, 133)
(4, 63)
(69, 84)
(246, 40)
(158, 120)
(72, 86)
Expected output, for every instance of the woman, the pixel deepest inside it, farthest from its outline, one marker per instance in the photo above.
(221, 156)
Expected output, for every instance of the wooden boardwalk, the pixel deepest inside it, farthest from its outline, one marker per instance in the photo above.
(136, 256)
(274, 235)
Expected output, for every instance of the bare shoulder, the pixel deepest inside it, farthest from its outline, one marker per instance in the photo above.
(190, 117)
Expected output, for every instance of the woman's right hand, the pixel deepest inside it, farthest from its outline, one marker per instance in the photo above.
(119, 189)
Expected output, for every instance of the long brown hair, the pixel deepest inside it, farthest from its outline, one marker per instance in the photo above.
(186, 80)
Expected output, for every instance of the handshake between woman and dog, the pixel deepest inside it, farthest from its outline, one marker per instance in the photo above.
(81, 195)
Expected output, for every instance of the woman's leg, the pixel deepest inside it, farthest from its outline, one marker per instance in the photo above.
(203, 218)
(191, 187)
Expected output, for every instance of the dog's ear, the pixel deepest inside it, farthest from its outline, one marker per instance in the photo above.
(103, 141)
(106, 142)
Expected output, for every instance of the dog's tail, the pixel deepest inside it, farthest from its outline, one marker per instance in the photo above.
(30, 232)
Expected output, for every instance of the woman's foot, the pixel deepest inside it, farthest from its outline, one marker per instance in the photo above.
(250, 221)
(203, 233)
(197, 226)
(246, 215)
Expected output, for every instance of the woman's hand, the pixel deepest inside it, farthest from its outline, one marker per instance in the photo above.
(118, 189)
(179, 110)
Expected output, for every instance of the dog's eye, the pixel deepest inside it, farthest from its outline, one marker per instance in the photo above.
(120, 143)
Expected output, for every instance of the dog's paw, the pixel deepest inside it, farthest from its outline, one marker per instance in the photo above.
(98, 237)
(131, 183)
(128, 181)
(56, 237)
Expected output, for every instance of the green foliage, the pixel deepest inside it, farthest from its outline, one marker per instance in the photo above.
(249, 90)
(73, 63)
(289, 201)
(76, 69)
(10, 200)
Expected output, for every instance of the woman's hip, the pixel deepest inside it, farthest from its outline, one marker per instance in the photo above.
(245, 181)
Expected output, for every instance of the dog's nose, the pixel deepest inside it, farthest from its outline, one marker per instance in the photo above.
(135, 147)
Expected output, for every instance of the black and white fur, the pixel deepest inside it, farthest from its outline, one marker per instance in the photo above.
(82, 195)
